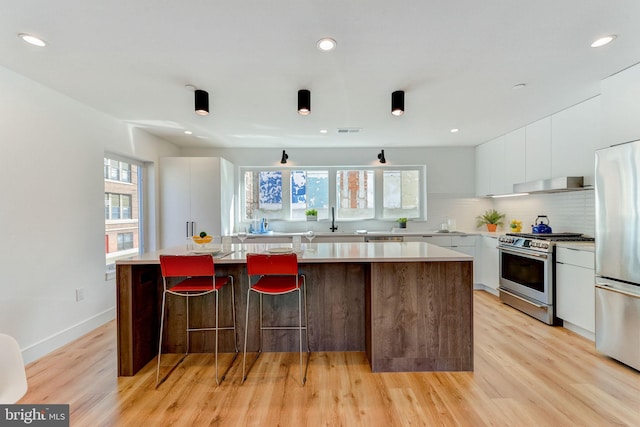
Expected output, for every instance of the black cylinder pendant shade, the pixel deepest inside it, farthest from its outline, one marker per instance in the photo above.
(304, 102)
(285, 156)
(397, 103)
(201, 102)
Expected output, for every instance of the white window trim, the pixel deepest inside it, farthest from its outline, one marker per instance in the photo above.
(378, 187)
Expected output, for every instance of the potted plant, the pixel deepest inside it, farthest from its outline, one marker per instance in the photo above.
(312, 215)
(492, 218)
(402, 222)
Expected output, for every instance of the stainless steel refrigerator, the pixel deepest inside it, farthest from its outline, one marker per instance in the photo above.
(617, 197)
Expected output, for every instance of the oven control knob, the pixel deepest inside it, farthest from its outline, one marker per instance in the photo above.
(545, 245)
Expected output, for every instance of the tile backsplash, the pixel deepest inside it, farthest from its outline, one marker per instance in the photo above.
(567, 212)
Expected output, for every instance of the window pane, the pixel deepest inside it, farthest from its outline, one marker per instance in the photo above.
(125, 203)
(115, 206)
(401, 194)
(125, 241)
(250, 195)
(309, 189)
(271, 190)
(355, 194)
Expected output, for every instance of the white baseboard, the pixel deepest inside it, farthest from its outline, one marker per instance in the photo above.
(578, 330)
(57, 340)
(481, 287)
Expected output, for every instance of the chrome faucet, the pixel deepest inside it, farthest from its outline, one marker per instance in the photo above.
(333, 227)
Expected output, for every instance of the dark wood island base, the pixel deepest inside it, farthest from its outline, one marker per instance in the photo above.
(407, 316)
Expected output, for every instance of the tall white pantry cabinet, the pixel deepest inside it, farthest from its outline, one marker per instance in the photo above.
(196, 194)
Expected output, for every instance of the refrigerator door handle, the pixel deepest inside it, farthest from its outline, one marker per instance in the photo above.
(612, 289)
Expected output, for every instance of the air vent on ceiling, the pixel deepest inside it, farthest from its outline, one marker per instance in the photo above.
(349, 130)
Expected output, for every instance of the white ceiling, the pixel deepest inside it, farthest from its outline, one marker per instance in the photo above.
(457, 61)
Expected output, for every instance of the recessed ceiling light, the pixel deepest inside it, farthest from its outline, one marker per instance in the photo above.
(603, 41)
(519, 86)
(323, 131)
(326, 44)
(454, 130)
(32, 40)
(188, 132)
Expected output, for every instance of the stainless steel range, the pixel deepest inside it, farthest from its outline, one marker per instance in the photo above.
(527, 272)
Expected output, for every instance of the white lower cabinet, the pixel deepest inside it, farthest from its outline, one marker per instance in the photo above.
(460, 243)
(575, 291)
(489, 263)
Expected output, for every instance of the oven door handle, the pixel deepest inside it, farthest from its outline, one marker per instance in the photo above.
(524, 254)
(501, 289)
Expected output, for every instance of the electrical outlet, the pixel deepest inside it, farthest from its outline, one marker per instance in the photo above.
(79, 294)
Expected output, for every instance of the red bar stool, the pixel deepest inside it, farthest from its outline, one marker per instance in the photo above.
(198, 279)
(276, 275)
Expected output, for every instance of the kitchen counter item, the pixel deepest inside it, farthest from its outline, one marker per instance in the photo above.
(541, 225)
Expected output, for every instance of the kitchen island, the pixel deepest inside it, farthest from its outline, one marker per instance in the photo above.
(409, 305)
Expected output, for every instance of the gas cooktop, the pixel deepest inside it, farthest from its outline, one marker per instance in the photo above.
(554, 237)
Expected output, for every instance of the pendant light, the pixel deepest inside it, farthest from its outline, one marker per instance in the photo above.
(397, 103)
(201, 102)
(304, 102)
(285, 156)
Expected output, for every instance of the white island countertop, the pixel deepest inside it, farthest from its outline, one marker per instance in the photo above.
(317, 252)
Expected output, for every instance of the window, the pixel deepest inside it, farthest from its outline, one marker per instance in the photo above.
(122, 209)
(355, 194)
(401, 194)
(125, 241)
(358, 193)
(284, 194)
(117, 171)
(309, 190)
(117, 206)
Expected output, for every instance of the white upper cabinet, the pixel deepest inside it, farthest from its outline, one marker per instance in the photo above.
(514, 158)
(576, 134)
(621, 107)
(490, 168)
(538, 150)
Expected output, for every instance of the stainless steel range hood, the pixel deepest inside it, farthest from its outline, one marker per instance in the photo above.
(553, 185)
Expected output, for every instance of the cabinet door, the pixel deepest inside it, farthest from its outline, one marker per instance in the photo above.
(469, 250)
(174, 201)
(205, 194)
(538, 150)
(620, 105)
(575, 134)
(514, 158)
(444, 241)
(575, 295)
(489, 263)
(483, 170)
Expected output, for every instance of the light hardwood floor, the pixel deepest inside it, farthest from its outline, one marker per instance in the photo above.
(526, 374)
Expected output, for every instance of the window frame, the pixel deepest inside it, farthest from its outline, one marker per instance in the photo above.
(378, 172)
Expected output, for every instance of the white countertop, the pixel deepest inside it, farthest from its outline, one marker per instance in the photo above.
(321, 252)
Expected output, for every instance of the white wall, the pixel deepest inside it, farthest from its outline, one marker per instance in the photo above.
(450, 178)
(52, 212)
